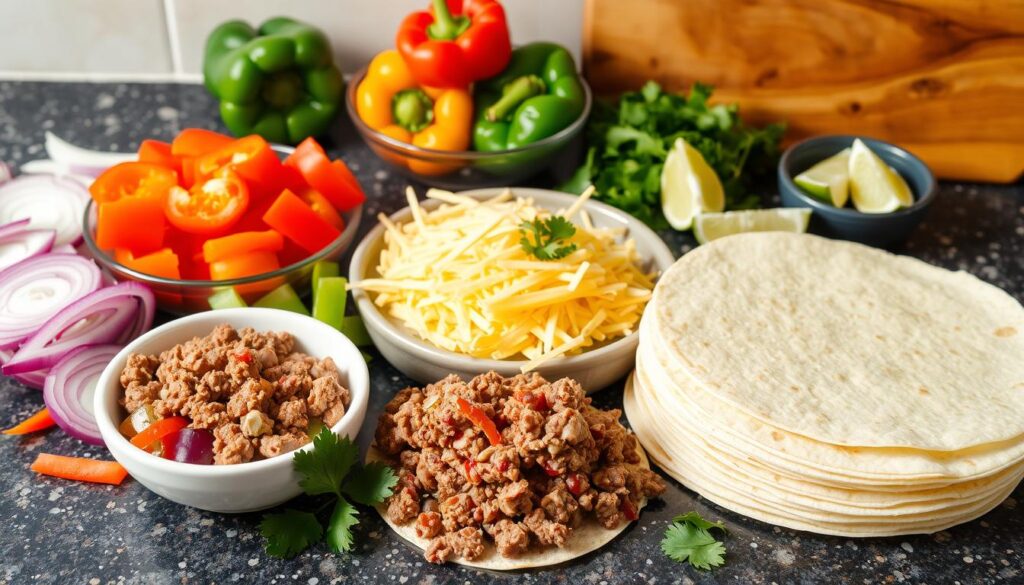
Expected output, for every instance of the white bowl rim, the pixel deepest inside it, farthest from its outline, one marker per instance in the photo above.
(661, 258)
(358, 386)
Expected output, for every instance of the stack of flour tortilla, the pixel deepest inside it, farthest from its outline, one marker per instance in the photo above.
(831, 387)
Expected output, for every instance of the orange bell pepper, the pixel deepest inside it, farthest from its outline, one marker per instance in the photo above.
(158, 153)
(254, 161)
(390, 101)
(242, 243)
(242, 265)
(299, 223)
(193, 142)
(132, 223)
(133, 180)
(163, 263)
(37, 422)
(210, 207)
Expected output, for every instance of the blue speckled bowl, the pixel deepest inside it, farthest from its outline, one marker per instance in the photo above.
(881, 230)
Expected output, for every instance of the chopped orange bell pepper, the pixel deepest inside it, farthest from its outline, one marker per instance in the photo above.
(79, 469)
(242, 265)
(254, 161)
(163, 263)
(37, 422)
(390, 101)
(241, 243)
(133, 180)
(193, 142)
(158, 153)
(133, 223)
(210, 207)
(158, 430)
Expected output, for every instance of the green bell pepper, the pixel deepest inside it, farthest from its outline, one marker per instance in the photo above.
(279, 81)
(536, 96)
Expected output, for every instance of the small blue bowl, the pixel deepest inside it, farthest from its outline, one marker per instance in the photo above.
(874, 229)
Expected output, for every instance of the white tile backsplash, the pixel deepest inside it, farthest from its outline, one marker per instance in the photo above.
(95, 36)
(165, 38)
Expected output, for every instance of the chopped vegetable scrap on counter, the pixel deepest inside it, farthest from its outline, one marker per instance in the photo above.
(37, 422)
(331, 469)
(79, 469)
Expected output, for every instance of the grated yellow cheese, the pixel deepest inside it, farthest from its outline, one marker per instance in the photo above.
(459, 278)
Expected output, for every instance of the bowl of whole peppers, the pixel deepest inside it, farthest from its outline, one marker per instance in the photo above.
(454, 105)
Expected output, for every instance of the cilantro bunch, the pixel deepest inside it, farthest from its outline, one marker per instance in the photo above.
(689, 538)
(629, 142)
(326, 470)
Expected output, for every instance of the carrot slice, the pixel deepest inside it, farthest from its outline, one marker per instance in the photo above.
(79, 469)
(480, 419)
(158, 430)
(37, 422)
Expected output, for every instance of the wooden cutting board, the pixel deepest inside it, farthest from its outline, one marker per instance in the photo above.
(944, 79)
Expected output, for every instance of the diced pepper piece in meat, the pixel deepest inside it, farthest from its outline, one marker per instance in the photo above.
(480, 419)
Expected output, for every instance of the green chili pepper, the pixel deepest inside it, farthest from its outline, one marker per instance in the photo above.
(226, 298)
(278, 81)
(283, 297)
(538, 95)
(329, 300)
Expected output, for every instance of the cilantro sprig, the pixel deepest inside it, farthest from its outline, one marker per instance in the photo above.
(330, 468)
(550, 237)
(689, 539)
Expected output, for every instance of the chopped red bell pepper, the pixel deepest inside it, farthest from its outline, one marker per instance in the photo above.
(480, 419)
(319, 204)
(208, 208)
(133, 223)
(296, 221)
(254, 161)
(333, 180)
(159, 153)
(456, 43)
(133, 180)
(163, 263)
(192, 142)
(244, 265)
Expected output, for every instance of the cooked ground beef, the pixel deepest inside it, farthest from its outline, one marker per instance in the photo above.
(252, 390)
(557, 459)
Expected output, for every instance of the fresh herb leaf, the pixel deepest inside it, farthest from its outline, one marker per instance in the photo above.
(628, 142)
(372, 485)
(550, 237)
(324, 467)
(339, 530)
(689, 539)
(324, 470)
(289, 532)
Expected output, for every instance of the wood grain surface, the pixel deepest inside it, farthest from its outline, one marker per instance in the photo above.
(942, 78)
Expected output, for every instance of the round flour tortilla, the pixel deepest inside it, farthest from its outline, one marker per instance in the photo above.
(748, 437)
(847, 344)
(725, 491)
(587, 537)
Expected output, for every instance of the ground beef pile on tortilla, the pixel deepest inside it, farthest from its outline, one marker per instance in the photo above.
(553, 459)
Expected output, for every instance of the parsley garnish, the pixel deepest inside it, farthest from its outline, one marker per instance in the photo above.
(549, 236)
(689, 538)
(326, 470)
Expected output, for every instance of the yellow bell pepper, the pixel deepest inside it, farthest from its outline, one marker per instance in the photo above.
(390, 101)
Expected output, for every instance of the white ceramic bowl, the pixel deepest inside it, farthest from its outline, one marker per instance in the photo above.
(243, 487)
(426, 363)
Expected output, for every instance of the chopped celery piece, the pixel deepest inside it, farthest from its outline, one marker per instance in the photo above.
(226, 298)
(353, 328)
(323, 269)
(283, 297)
(329, 300)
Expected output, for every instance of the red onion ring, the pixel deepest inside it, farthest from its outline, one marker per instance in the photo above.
(20, 246)
(116, 314)
(69, 388)
(49, 201)
(33, 380)
(34, 290)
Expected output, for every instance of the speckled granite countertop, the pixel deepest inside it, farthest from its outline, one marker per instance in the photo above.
(55, 531)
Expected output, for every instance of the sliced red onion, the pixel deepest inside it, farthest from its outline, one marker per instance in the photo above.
(116, 314)
(24, 245)
(18, 225)
(189, 446)
(70, 386)
(46, 166)
(5, 172)
(81, 160)
(33, 380)
(49, 201)
(64, 249)
(33, 291)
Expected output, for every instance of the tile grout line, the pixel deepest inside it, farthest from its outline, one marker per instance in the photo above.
(171, 21)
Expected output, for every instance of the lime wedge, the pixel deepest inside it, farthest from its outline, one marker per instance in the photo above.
(874, 187)
(829, 180)
(689, 186)
(711, 226)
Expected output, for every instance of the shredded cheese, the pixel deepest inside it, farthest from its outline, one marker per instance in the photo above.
(459, 278)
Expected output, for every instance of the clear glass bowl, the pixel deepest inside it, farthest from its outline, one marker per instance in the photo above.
(469, 169)
(182, 297)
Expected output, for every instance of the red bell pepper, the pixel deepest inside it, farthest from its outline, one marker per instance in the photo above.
(133, 180)
(158, 153)
(254, 161)
(480, 419)
(133, 223)
(193, 142)
(158, 430)
(319, 204)
(163, 263)
(455, 44)
(242, 265)
(242, 243)
(299, 223)
(333, 180)
(210, 207)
